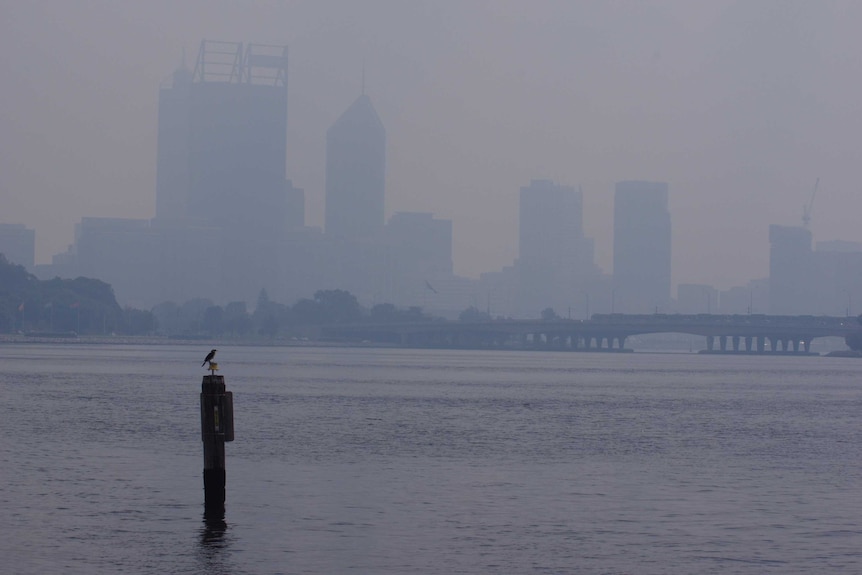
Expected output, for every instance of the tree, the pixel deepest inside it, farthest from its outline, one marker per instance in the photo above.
(472, 313)
(305, 311)
(548, 314)
(337, 306)
(236, 318)
(137, 322)
(192, 314)
(384, 312)
(167, 316)
(212, 322)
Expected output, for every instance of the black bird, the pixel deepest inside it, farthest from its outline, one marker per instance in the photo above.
(209, 357)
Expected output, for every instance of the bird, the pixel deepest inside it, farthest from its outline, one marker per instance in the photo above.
(209, 357)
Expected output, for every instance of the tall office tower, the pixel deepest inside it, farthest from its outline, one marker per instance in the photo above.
(791, 277)
(355, 173)
(419, 257)
(222, 161)
(555, 260)
(172, 152)
(223, 137)
(642, 247)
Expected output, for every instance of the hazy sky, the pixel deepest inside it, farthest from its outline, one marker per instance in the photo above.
(739, 105)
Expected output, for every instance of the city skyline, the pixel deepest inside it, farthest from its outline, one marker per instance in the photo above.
(738, 107)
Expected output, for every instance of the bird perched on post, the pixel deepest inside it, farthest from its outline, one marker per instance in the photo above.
(209, 357)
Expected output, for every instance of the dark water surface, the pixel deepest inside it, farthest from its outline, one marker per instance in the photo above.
(399, 461)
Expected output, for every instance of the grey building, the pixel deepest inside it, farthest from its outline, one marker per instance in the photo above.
(419, 259)
(555, 260)
(221, 165)
(18, 244)
(696, 299)
(642, 247)
(791, 261)
(122, 252)
(355, 173)
(825, 281)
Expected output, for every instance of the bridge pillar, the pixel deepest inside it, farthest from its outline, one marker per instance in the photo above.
(748, 343)
(761, 344)
(735, 340)
(773, 343)
(722, 342)
(710, 342)
(622, 342)
(806, 345)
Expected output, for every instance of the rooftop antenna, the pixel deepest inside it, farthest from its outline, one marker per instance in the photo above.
(806, 210)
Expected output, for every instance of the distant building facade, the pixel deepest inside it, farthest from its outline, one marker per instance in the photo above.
(555, 261)
(696, 299)
(825, 281)
(356, 173)
(228, 222)
(419, 258)
(18, 244)
(791, 288)
(642, 247)
(221, 165)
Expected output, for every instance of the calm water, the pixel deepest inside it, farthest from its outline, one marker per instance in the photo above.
(398, 461)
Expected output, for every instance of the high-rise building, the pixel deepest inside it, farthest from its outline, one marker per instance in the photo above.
(555, 260)
(790, 266)
(642, 247)
(221, 162)
(172, 147)
(419, 257)
(355, 173)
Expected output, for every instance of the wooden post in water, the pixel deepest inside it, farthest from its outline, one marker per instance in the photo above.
(216, 429)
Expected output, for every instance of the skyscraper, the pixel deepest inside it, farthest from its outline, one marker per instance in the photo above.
(223, 137)
(642, 247)
(355, 173)
(555, 260)
(221, 165)
(791, 266)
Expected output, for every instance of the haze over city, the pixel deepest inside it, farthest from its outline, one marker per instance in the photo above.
(739, 106)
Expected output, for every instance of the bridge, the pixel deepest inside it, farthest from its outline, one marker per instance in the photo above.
(754, 333)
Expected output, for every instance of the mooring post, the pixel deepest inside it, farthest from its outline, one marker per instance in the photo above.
(216, 429)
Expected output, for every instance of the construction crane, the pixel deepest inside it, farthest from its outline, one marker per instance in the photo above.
(806, 210)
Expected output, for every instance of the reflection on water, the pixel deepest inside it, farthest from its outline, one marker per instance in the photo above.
(213, 531)
(213, 552)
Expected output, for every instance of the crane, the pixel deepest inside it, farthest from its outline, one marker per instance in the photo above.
(806, 210)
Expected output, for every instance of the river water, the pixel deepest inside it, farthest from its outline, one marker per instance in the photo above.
(380, 461)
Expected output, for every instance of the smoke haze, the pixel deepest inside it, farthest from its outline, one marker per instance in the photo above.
(738, 105)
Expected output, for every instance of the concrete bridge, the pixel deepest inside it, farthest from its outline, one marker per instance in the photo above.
(608, 332)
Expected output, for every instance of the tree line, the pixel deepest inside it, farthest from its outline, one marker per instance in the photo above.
(81, 305)
(88, 306)
(201, 317)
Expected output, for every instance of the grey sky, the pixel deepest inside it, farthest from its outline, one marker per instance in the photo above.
(739, 105)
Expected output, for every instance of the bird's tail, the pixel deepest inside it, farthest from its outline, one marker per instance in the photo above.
(204, 363)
